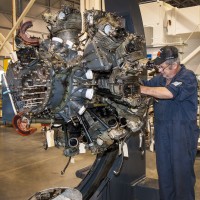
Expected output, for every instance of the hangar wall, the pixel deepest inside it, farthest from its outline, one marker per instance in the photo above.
(167, 25)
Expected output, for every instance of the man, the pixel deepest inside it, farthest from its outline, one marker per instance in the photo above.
(175, 124)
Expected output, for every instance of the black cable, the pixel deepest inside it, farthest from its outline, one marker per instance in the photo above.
(63, 171)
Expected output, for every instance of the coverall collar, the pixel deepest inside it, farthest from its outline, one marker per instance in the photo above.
(163, 80)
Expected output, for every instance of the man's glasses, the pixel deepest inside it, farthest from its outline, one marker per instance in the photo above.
(161, 68)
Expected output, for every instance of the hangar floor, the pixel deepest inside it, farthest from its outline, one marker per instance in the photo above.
(25, 167)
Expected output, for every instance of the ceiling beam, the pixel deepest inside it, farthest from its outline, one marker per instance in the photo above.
(191, 55)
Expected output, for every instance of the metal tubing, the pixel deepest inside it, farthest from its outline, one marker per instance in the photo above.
(47, 121)
(85, 129)
(102, 122)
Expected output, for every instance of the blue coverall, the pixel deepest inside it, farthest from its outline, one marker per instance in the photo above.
(176, 135)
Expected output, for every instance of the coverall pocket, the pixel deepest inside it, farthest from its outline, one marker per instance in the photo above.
(191, 132)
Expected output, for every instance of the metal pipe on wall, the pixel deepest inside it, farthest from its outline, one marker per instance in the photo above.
(20, 8)
(14, 19)
(49, 5)
(82, 10)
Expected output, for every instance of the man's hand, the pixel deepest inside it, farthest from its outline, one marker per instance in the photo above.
(150, 64)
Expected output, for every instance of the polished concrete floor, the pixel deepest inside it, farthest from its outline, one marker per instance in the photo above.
(25, 167)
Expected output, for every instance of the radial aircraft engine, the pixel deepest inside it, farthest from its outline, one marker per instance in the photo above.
(85, 77)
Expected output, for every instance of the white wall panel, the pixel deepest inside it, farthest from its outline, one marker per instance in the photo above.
(183, 20)
(172, 26)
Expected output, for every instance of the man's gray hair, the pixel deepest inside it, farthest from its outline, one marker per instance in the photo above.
(171, 61)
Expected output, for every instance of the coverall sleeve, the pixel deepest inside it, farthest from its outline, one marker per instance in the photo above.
(152, 82)
(183, 87)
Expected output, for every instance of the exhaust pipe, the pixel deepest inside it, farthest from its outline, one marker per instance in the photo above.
(73, 142)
